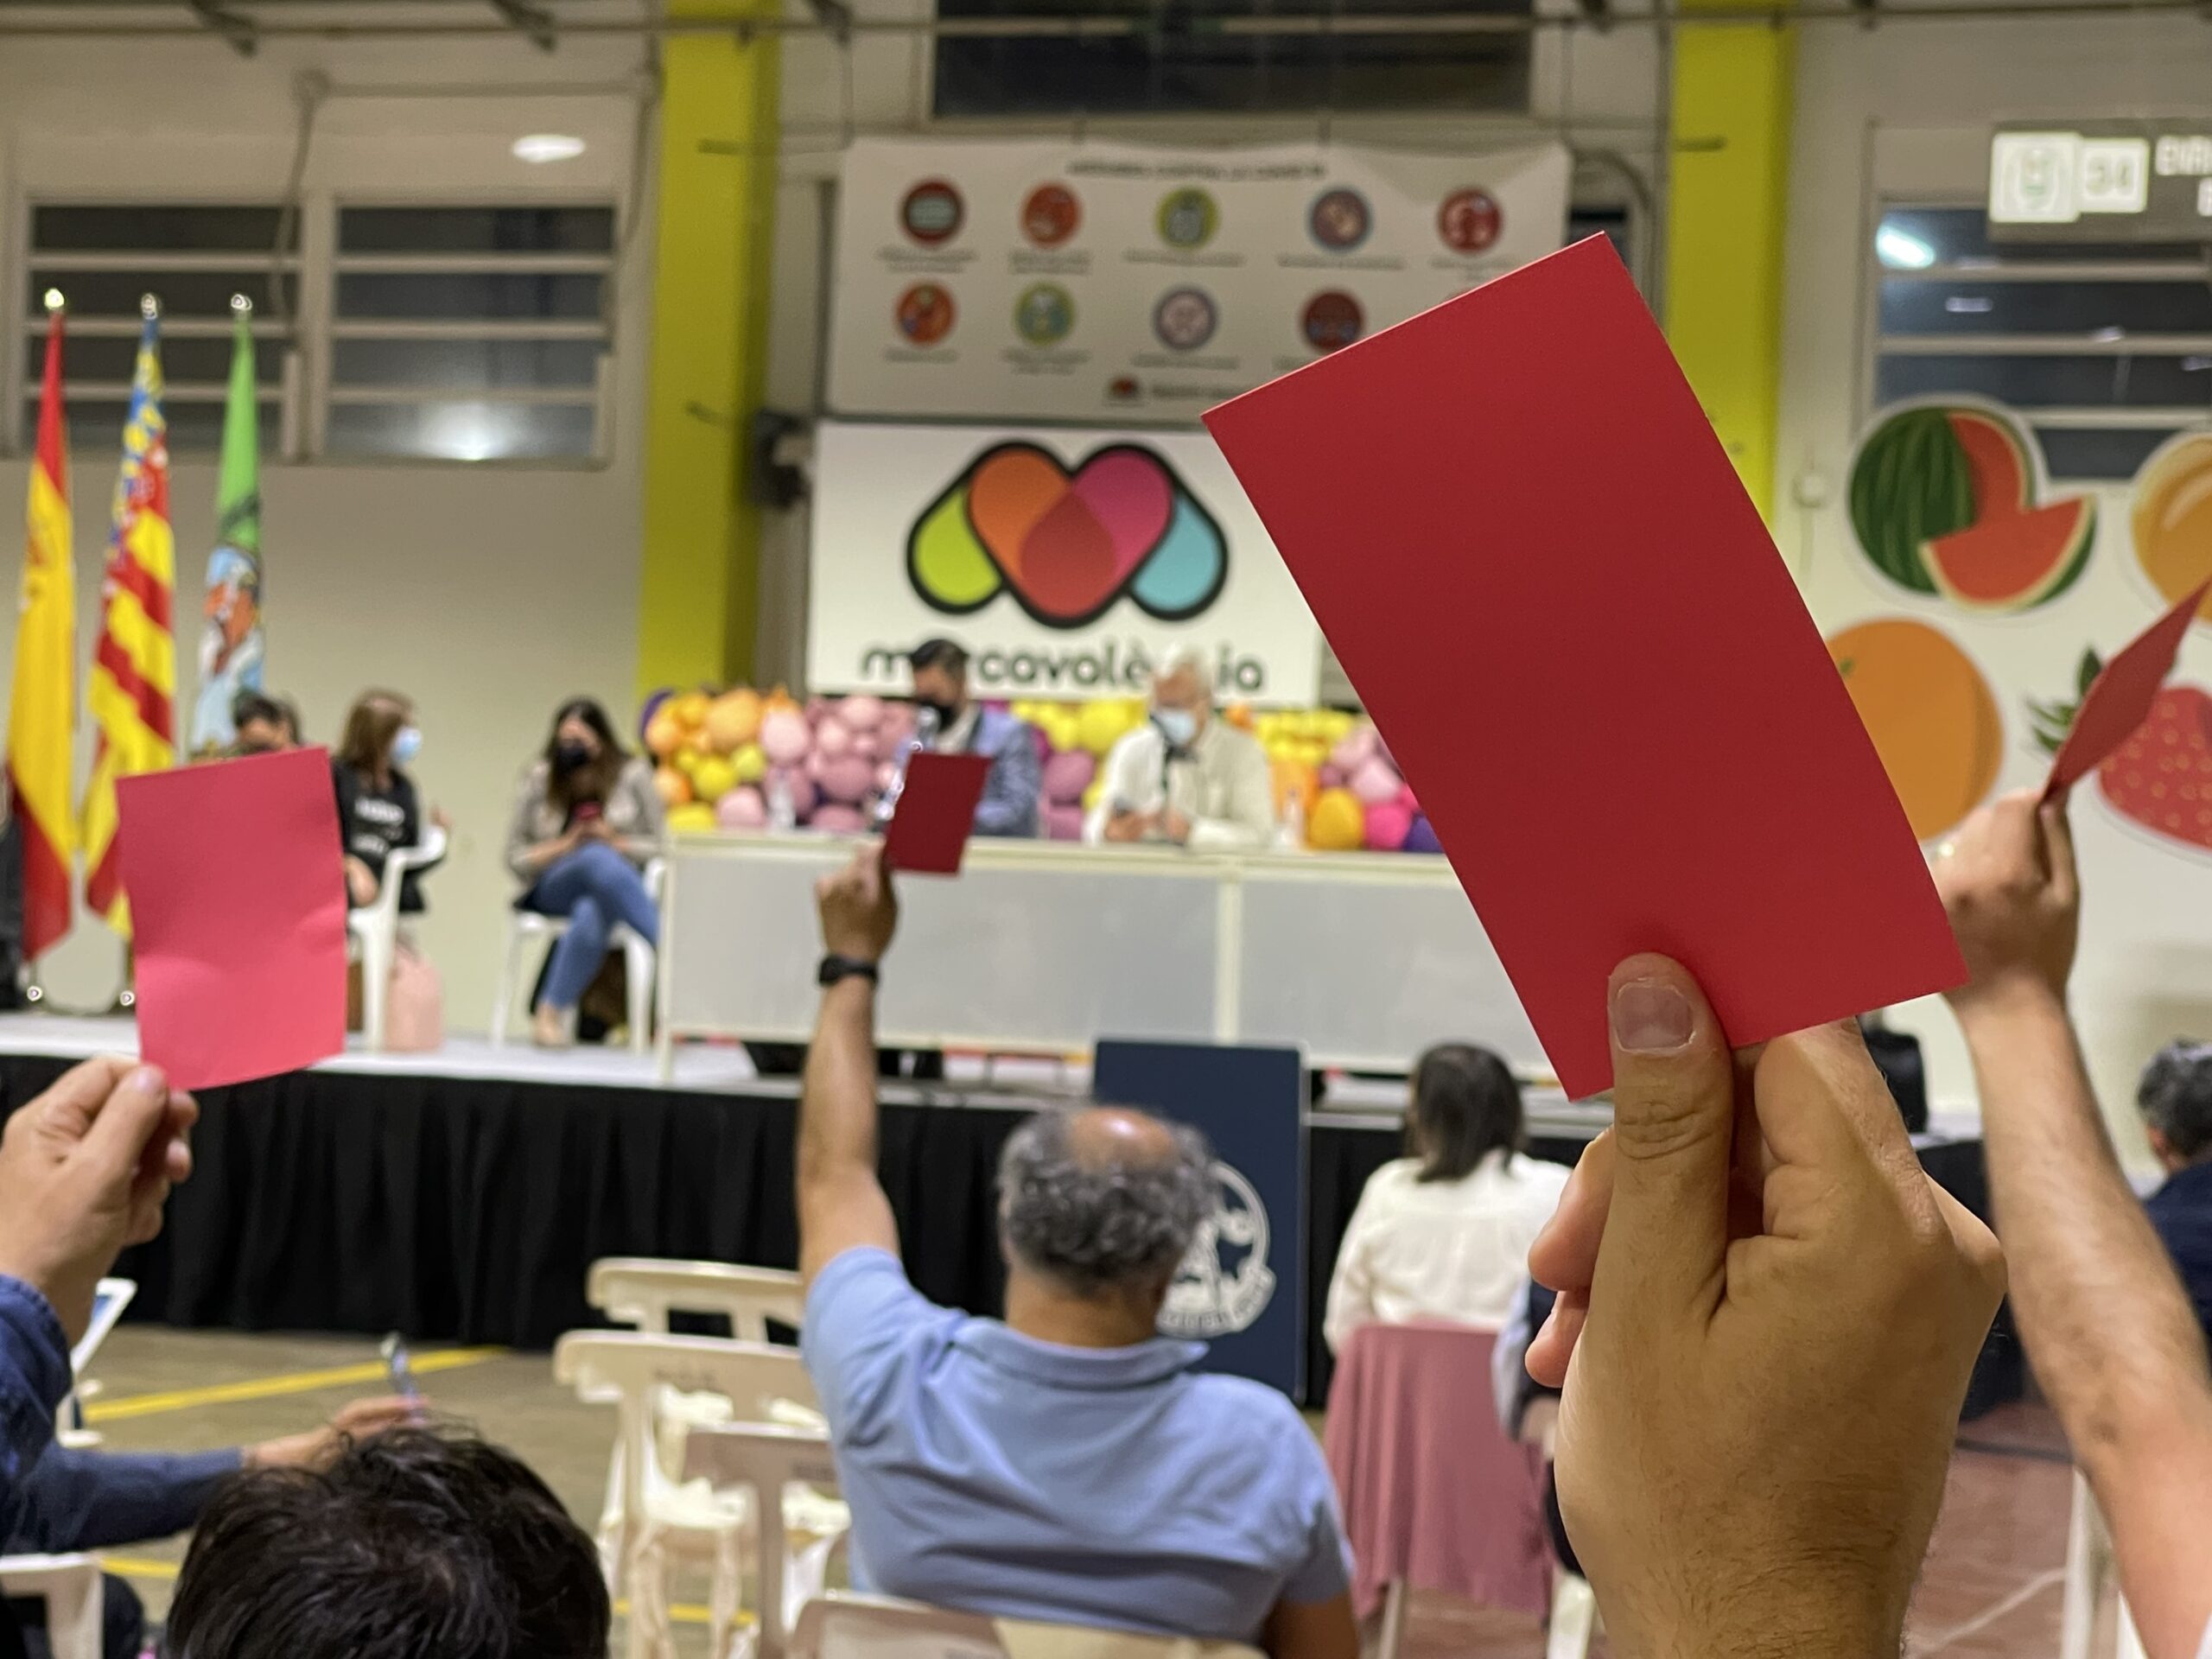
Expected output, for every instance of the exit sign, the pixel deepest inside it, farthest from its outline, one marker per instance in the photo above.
(2120, 180)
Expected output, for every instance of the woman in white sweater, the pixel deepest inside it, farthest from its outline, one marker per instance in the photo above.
(1444, 1232)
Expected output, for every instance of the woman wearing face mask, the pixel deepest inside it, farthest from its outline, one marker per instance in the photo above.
(586, 821)
(378, 807)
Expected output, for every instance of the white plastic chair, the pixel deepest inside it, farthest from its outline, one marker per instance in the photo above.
(372, 930)
(1574, 1618)
(70, 1587)
(647, 1377)
(2089, 1570)
(643, 1290)
(784, 1472)
(845, 1626)
(529, 933)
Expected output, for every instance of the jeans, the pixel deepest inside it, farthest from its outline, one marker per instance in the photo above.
(594, 887)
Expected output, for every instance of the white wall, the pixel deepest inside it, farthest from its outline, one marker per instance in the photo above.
(1904, 111)
(486, 592)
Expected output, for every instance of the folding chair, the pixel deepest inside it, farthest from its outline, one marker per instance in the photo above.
(70, 1586)
(372, 930)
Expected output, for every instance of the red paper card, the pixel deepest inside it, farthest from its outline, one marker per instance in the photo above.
(929, 831)
(238, 915)
(1519, 532)
(2120, 698)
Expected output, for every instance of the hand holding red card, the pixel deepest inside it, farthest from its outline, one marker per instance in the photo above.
(2119, 700)
(1516, 527)
(929, 831)
(238, 912)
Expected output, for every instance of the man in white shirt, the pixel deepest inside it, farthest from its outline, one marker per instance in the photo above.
(1185, 777)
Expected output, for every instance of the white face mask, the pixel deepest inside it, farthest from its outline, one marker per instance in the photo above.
(1179, 725)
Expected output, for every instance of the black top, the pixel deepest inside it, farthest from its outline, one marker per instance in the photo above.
(2181, 1210)
(372, 822)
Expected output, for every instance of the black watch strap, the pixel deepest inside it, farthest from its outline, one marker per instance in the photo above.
(835, 967)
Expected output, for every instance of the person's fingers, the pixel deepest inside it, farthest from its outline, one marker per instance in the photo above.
(1554, 1345)
(134, 1112)
(68, 1108)
(2012, 837)
(2058, 844)
(1666, 1233)
(1820, 1103)
(1564, 1254)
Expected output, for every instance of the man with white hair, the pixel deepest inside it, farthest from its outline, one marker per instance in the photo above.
(1185, 777)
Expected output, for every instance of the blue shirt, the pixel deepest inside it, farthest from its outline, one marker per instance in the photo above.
(1110, 1487)
(2181, 1212)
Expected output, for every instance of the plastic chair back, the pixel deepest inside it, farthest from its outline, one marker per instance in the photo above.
(643, 1292)
(767, 1460)
(70, 1587)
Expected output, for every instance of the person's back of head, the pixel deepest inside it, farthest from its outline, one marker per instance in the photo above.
(1104, 1203)
(413, 1545)
(2175, 1095)
(1466, 1105)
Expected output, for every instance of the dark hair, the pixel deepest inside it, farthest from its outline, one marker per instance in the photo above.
(2175, 1095)
(1091, 1225)
(590, 782)
(249, 706)
(371, 724)
(1466, 1105)
(413, 1543)
(947, 654)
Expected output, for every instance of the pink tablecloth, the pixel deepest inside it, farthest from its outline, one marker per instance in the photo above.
(1433, 1493)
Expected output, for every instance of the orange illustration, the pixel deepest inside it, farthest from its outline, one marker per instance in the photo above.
(1931, 715)
(2173, 518)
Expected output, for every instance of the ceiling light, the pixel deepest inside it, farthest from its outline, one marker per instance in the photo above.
(548, 146)
(1901, 249)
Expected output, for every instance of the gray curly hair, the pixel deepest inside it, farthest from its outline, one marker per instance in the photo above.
(2175, 1095)
(1089, 1223)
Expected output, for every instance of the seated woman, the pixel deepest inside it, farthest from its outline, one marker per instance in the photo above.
(587, 820)
(1444, 1232)
(378, 808)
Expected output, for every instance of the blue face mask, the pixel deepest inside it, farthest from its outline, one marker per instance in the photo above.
(1179, 725)
(406, 746)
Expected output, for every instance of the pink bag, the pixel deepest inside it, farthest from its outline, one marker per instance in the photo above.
(415, 1009)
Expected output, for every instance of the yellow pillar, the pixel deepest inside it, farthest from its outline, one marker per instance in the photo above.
(699, 588)
(1726, 213)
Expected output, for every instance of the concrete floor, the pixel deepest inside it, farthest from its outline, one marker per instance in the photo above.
(1992, 1586)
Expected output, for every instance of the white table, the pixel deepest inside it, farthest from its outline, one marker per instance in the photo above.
(1046, 947)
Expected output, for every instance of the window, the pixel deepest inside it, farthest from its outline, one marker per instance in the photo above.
(103, 258)
(469, 334)
(2105, 349)
(1191, 55)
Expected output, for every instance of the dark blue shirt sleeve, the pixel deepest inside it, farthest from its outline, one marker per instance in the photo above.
(101, 1500)
(1012, 788)
(34, 1379)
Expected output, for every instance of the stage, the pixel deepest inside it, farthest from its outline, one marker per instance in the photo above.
(461, 1196)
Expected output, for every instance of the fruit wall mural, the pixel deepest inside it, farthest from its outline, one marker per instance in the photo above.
(2160, 780)
(2171, 520)
(1948, 499)
(1930, 712)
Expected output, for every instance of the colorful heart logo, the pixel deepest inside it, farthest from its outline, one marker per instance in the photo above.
(1067, 544)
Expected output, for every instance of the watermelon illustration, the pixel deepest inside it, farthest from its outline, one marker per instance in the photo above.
(2015, 561)
(1943, 501)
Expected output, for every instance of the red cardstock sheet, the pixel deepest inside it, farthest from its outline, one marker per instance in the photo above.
(238, 912)
(929, 831)
(1530, 553)
(2120, 698)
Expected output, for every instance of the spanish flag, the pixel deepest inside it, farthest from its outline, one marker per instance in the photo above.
(134, 665)
(42, 715)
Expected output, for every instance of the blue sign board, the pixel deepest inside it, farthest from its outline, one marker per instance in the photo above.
(1241, 1289)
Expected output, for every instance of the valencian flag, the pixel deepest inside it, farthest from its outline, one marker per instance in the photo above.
(42, 717)
(231, 645)
(134, 665)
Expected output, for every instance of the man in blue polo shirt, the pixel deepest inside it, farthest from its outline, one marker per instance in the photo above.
(1066, 1463)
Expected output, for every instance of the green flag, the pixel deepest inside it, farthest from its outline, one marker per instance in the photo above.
(231, 643)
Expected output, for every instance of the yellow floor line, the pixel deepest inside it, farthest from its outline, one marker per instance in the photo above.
(269, 1387)
(137, 1566)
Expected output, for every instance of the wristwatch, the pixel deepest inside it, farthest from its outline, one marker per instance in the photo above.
(835, 967)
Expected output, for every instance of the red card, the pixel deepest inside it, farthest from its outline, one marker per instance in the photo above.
(2120, 698)
(936, 812)
(1519, 532)
(238, 916)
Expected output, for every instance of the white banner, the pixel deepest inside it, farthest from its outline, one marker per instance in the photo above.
(1068, 562)
(1044, 278)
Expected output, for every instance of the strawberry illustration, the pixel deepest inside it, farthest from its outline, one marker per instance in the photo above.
(2161, 777)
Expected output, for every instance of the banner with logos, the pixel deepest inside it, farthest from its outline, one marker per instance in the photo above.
(990, 279)
(1070, 562)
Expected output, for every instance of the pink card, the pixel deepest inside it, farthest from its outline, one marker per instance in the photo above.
(1519, 532)
(238, 913)
(2120, 698)
(929, 831)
